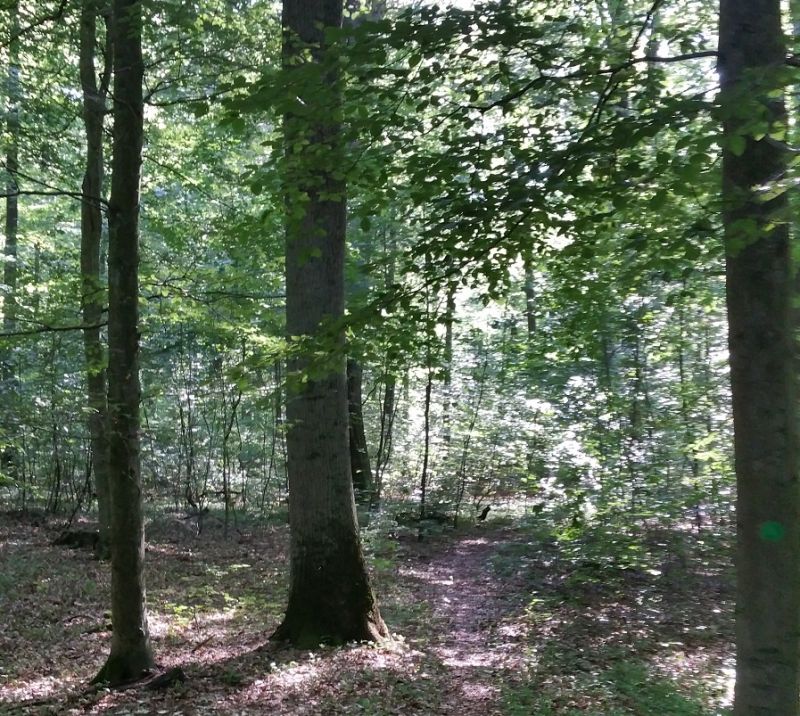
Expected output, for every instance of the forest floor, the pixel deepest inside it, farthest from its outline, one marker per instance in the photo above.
(487, 620)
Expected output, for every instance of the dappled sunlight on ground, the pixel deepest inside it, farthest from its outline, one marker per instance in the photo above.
(485, 623)
(30, 689)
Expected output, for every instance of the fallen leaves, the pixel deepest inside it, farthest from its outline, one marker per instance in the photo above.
(495, 624)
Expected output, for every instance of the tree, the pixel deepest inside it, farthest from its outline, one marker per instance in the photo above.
(759, 298)
(330, 597)
(131, 653)
(8, 386)
(359, 453)
(92, 294)
(10, 270)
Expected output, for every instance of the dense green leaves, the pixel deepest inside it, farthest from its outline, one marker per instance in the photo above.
(532, 222)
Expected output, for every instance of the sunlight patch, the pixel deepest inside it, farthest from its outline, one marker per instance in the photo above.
(479, 692)
(34, 689)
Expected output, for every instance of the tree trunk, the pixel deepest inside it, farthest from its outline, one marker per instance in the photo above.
(359, 454)
(131, 654)
(94, 106)
(388, 406)
(530, 299)
(759, 298)
(447, 372)
(10, 269)
(8, 383)
(330, 598)
(383, 453)
(426, 446)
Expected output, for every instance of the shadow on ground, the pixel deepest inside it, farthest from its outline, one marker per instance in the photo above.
(488, 621)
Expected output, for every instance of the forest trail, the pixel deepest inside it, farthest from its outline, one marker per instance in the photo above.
(478, 637)
(488, 621)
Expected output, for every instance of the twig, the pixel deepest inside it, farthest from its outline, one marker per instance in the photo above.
(199, 646)
(36, 22)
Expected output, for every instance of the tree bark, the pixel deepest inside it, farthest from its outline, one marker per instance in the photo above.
(8, 383)
(131, 653)
(330, 598)
(759, 298)
(92, 293)
(10, 269)
(426, 445)
(447, 358)
(383, 453)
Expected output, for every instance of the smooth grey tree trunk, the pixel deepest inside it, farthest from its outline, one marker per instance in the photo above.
(761, 342)
(330, 598)
(131, 653)
(92, 292)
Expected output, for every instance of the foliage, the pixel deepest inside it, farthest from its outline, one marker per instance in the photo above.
(533, 239)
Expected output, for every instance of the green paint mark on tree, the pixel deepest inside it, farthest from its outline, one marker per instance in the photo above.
(771, 531)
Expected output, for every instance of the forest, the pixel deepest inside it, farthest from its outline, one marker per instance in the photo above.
(391, 357)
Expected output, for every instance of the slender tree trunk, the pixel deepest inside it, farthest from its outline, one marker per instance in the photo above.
(447, 373)
(229, 421)
(687, 418)
(529, 289)
(359, 454)
(532, 460)
(94, 107)
(461, 476)
(131, 653)
(279, 425)
(388, 410)
(430, 337)
(426, 447)
(388, 404)
(10, 266)
(761, 343)
(8, 383)
(330, 598)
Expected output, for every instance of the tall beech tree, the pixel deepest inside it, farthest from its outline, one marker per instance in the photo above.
(131, 653)
(330, 597)
(94, 91)
(759, 298)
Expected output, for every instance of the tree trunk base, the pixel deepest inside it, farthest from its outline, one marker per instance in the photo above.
(309, 632)
(102, 549)
(126, 668)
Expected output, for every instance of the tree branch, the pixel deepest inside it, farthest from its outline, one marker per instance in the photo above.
(579, 74)
(49, 189)
(37, 22)
(52, 329)
(55, 192)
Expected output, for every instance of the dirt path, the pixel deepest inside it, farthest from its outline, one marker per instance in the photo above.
(489, 622)
(477, 634)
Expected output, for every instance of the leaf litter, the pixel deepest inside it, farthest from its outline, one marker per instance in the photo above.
(486, 621)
